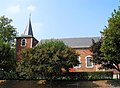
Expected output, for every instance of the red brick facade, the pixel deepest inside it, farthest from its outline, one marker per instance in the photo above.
(83, 54)
(29, 43)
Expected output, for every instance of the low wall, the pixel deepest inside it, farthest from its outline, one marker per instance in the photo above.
(60, 84)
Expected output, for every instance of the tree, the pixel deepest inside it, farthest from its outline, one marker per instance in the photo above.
(7, 45)
(108, 51)
(97, 55)
(7, 31)
(6, 57)
(47, 60)
(111, 41)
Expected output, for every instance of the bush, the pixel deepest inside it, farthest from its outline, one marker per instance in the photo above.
(87, 75)
(8, 75)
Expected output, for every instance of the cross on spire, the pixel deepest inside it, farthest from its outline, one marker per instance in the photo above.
(30, 16)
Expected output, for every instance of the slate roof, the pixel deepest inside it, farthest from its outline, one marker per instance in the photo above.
(82, 42)
(28, 30)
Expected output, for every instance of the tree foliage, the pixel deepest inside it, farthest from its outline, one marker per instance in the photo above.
(111, 41)
(7, 31)
(7, 44)
(7, 59)
(97, 54)
(108, 51)
(49, 59)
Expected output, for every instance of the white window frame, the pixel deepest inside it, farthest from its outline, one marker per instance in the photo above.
(31, 42)
(86, 62)
(79, 59)
(22, 42)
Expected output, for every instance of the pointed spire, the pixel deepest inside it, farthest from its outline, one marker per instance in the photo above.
(28, 30)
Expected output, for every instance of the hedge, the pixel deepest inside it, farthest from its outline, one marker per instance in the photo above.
(66, 76)
(86, 76)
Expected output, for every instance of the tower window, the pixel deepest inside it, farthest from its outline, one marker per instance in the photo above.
(23, 42)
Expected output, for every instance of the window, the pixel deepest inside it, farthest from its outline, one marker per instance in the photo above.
(89, 63)
(23, 42)
(79, 62)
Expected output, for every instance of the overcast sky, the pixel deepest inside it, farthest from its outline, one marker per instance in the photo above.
(59, 18)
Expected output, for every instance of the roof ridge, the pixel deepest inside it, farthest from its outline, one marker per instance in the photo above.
(70, 38)
(78, 37)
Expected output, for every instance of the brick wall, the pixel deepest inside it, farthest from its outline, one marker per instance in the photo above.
(19, 48)
(83, 54)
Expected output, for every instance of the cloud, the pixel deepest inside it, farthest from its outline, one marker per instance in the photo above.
(15, 9)
(31, 8)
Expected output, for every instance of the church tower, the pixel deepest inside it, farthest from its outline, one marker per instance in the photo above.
(26, 40)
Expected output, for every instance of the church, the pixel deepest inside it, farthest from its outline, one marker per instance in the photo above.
(81, 46)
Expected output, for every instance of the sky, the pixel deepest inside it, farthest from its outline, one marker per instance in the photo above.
(59, 18)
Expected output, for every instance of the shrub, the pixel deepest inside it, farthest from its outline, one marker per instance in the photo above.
(87, 75)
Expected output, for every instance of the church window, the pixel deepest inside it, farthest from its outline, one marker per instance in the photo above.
(23, 42)
(89, 63)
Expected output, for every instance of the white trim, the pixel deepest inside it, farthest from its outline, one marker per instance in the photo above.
(96, 68)
(22, 41)
(86, 62)
(79, 46)
(79, 59)
(31, 42)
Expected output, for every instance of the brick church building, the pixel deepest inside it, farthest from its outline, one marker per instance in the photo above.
(81, 45)
(26, 40)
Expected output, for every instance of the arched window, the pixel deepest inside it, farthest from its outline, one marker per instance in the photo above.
(23, 42)
(79, 65)
(89, 63)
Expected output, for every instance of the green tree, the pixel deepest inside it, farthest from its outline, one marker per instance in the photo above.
(6, 57)
(47, 60)
(107, 51)
(97, 54)
(111, 41)
(7, 45)
(98, 57)
(7, 31)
